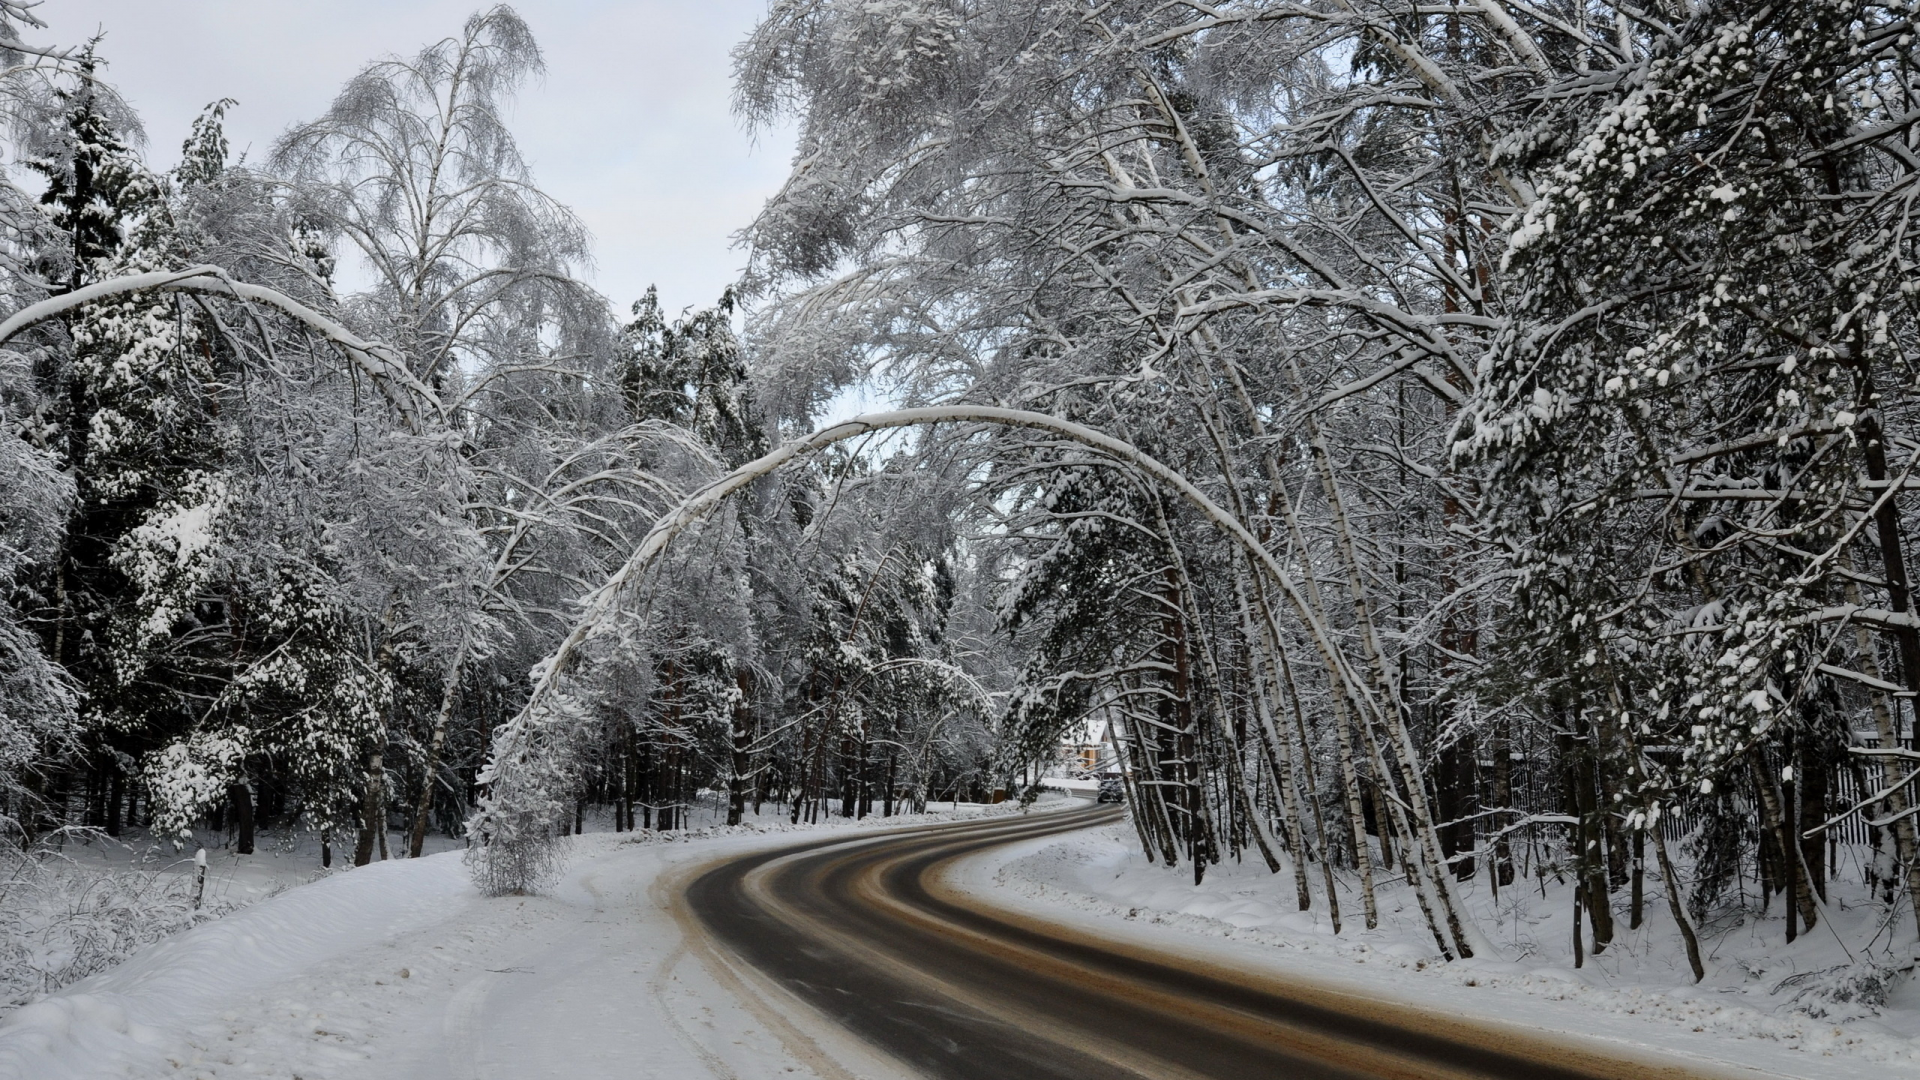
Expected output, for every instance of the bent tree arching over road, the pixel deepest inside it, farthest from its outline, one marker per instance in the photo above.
(518, 812)
(869, 933)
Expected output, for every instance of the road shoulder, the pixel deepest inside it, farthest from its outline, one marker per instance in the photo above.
(1047, 880)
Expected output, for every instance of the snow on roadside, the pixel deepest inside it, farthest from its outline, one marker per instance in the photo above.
(1641, 995)
(84, 902)
(127, 1021)
(399, 968)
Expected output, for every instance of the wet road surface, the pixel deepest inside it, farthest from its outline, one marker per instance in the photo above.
(864, 931)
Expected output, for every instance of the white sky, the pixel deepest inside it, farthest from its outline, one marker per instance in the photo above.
(631, 127)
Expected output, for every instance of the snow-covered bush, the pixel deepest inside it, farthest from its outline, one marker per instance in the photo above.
(1846, 992)
(517, 852)
(37, 702)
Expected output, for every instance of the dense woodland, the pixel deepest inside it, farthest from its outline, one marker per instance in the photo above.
(1434, 443)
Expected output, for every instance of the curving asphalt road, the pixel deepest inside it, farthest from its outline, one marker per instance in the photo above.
(865, 932)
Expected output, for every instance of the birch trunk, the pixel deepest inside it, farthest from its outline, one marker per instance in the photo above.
(1427, 841)
(742, 747)
(1283, 780)
(1413, 870)
(1342, 720)
(1319, 822)
(449, 690)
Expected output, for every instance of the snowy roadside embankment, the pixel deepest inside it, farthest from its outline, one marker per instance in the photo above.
(401, 969)
(126, 1020)
(88, 902)
(1747, 1014)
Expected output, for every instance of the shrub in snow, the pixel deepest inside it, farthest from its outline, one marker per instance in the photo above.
(515, 852)
(1846, 992)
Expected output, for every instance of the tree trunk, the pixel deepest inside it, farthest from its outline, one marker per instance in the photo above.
(622, 793)
(1579, 902)
(1589, 857)
(1799, 898)
(1812, 778)
(1503, 800)
(742, 752)
(373, 807)
(1356, 819)
(1284, 792)
(1455, 786)
(449, 690)
(1675, 906)
(242, 799)
(1638, 909)
(372, 810)
(116, 794)
(893, 764)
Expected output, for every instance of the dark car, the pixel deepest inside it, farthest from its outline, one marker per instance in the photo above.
(1110, 791)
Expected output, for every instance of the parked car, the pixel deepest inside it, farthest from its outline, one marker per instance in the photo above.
(1110, 791)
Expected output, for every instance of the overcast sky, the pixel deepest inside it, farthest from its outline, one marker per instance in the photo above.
(631, 126)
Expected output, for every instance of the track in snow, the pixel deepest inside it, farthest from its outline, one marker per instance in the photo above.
(863, 930)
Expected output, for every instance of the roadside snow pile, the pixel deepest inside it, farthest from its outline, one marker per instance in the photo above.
(123, 1022)
(1808, 996)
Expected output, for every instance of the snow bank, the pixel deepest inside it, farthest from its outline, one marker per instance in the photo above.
(1753, 1010)
(85, 902)
(305, 983)
(122, 1022)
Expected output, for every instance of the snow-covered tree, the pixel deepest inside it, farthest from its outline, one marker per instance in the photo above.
(1692, 437)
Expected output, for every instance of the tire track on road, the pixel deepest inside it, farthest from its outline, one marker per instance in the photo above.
(866, 933)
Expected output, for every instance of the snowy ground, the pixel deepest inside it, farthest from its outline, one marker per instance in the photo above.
(280, 860)
(1639, 993)
(400, 969)
(86, 902)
